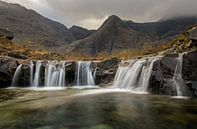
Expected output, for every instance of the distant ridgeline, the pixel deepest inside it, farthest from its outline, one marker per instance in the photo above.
(37, 32)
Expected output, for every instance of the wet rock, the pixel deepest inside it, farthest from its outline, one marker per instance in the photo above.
(101, 126)
(161, 81)
(190, 66)
(8, 66)
(70, 73)
(162, 74)
(106, 71)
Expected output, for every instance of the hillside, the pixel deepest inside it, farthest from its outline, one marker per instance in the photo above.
(120, 35)
(112, 35)
(164, 30)
(36, 31)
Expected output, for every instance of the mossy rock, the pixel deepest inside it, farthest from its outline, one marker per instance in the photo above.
(102, 126)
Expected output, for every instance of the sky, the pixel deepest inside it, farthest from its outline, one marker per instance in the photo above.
(92, 13)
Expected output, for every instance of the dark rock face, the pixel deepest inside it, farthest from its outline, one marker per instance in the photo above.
(116, 34)
(106, 71)
(161, 81)
(70, 73)
(7, 68)
(112, 36)
(79, 32)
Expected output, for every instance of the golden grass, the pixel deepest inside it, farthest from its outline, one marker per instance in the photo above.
(7, 47)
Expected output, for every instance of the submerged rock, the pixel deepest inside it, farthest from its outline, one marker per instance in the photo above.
(102, 126)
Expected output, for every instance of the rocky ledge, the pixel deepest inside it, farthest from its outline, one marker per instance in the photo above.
(161, 81)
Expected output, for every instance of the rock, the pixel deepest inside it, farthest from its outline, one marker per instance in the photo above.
(101, 126)
(161, 81)
(193, 33)
(7, 68)
(162, 74)
(190, 66)
(106, 71)
(70, 73)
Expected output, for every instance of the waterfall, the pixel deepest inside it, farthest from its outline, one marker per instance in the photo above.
(62, 75)
(55, 74)
(37, 74)
(177, 78)
(84, 74)
(16, 75)
(31, 65)
(134, 76)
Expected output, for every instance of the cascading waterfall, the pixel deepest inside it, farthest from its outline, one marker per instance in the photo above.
(31, 65)
(177, 78)
(37, 74)
(135, 76)
(16, 75)
(84, 74)
(55, 74)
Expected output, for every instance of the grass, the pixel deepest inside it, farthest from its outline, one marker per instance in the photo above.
(10, 49)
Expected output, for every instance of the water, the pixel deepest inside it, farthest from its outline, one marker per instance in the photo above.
(31, 65)
(84, 74)
(16, 75)
(71, 109)
(177, 78)
(36, 81)
(134, 76)
(55, 74)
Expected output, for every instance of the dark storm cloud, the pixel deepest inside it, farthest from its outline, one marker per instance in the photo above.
(91, 13)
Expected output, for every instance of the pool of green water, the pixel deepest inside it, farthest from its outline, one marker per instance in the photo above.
(74, 109)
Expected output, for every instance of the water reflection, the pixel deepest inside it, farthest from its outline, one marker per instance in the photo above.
(106, 111)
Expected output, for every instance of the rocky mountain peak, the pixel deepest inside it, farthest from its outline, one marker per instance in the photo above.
(112, 21)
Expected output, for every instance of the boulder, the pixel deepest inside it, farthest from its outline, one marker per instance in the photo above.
(106, 71)
(8, 66)
(161, 81)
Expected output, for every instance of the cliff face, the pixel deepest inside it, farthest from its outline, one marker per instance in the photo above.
(118, 35)
(161, 81)
(112, 36)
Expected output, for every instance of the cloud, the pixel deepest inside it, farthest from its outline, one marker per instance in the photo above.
(91, 13)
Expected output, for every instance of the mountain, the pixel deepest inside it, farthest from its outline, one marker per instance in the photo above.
(116, 34)
(112, 35)
(32, 29)
(79, 32)
(6, 34)
(164, 29)
(37, 32)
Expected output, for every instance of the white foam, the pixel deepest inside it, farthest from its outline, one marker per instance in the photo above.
(180, 97)
(109, 90)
